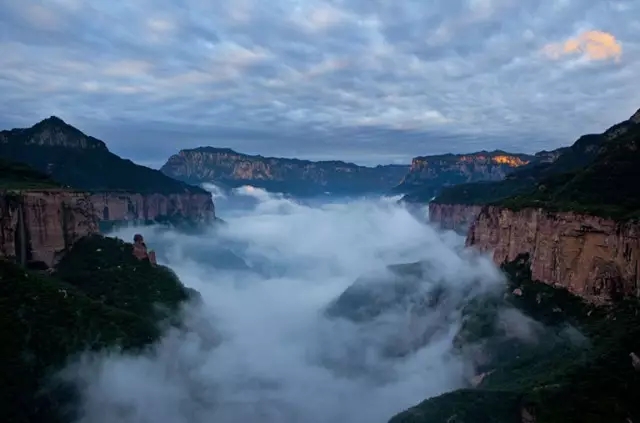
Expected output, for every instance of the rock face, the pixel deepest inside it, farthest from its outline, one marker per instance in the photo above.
(36, 226)
(114, 206)
(298, 177)
(427, 175)
(593, 257)
(457, 217)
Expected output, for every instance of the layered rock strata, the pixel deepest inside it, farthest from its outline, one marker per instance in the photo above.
(593, 257)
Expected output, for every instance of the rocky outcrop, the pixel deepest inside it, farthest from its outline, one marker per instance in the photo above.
(593, 257)
(114, 206)
(38, 226)
(456, 217)
(299, 177)
(452, 169)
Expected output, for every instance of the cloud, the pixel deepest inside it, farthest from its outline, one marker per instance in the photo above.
(595, 45)
(261, 348)
(353, 79)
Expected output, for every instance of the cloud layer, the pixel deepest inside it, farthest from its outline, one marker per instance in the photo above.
(372, 81)
(261, 349)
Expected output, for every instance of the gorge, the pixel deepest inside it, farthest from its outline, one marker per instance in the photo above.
(282, 319)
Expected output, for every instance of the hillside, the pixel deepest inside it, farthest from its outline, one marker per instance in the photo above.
(428, 175)
(75, 159)
(607, 186)
(14, 175)
(231, 169)
(549, 176)
(99, 297)
(574, 366)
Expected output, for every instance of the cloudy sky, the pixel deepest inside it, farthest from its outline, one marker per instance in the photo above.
(363, 80)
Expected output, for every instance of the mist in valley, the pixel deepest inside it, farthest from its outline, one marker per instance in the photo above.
(274, 337)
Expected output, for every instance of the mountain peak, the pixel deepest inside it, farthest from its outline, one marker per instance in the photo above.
(55, 120)
(54, 132)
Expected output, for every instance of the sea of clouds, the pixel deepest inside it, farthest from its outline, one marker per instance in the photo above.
(259, 347)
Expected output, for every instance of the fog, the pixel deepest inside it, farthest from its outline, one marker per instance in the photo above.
(260, 347)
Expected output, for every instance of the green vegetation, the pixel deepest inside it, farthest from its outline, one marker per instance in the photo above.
(588, 163)
(18, 176)
(597, 175)
(607, 187)
(83, 162)
(559, 379)
(99, 297)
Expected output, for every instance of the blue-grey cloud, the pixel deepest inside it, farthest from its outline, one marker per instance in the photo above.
(363, 80)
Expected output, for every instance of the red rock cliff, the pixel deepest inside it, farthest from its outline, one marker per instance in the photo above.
(593, 257)
(457, 217)
(132, 206)
(37, 226)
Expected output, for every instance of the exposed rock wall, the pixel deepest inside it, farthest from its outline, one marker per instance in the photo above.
(450, 169)
(228, 167)
(593, 257)
(37, 226)
(457, 217)
(112, 206)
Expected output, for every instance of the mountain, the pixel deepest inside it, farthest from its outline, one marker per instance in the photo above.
(428, 175)
(80, 161)
(455, 207)
(557, 162)
(231, 169)
(53, 153)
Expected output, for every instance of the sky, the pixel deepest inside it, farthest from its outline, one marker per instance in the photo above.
(369, 81)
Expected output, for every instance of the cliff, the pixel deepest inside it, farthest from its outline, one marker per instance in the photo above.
(593, 257)
(231, 169)
(429, 174)
(134, 207)
(37, 226)
(457, 217)
(122, 190)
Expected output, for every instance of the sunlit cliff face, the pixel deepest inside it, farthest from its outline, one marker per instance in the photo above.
(510, 161)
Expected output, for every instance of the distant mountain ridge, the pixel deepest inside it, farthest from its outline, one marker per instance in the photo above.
(430, 174)
(231, 169)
